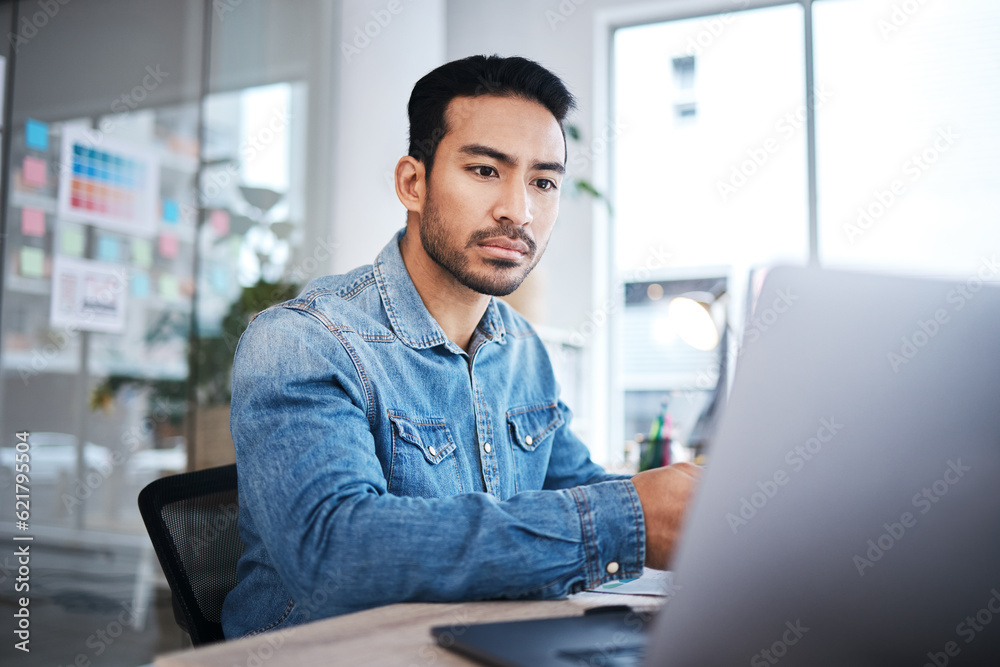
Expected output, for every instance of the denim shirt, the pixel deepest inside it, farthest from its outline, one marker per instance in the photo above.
(379, 462)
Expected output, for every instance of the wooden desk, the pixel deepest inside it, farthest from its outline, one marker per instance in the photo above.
(397, 635)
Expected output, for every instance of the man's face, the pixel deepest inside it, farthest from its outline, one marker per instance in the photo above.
(493, 194)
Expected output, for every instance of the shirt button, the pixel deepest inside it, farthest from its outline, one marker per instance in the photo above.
(432, 451)
(487, 448)
(612, 567)
(528, 440)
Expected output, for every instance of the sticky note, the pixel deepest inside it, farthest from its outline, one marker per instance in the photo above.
(220, 222)
(108, 249)
(32, 262)
(34, 170)
(171, 211)
(140, 284)
(71, 241)
(32, 222)
(168, 246)
(142, 253)
(36, 135)
(169, 289)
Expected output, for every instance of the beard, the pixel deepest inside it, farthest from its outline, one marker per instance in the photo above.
(506, 275)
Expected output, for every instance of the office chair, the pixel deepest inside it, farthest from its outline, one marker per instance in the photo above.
(191, 521)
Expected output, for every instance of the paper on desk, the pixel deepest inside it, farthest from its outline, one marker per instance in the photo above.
(652, 582)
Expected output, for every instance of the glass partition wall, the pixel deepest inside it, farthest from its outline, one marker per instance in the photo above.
(154, 197)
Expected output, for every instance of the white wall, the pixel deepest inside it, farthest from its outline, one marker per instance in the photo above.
(389, 44)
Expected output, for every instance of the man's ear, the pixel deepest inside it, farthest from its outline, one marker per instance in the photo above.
(411, 185)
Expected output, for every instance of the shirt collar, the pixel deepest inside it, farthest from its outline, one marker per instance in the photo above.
(408, 316)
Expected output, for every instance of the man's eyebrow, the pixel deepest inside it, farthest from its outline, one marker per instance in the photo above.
(550, 166)
(509, 160)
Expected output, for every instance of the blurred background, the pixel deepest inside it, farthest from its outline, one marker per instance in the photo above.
(170, 167)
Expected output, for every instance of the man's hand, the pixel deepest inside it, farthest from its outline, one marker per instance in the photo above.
(664, 494)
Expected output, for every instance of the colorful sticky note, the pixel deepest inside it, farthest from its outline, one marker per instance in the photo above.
(32, 222)
(142, 253)
(220, 222)
(168, 246)
(108, 249)
(36, 135)
(140, 284)
(34, 170)
(171, 211)
(32, 262)
(71, 241)
(169, 288)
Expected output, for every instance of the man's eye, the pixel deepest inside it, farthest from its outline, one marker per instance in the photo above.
(485, 171)
(546, 184)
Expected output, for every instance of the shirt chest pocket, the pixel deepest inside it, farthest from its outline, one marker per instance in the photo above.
(531, 431)
(423, 457)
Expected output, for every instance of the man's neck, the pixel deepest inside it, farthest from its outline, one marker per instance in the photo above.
(456, 308)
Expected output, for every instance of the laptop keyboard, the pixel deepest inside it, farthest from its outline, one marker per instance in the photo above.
(618, 656)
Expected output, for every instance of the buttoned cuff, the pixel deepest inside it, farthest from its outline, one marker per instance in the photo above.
(614, 531)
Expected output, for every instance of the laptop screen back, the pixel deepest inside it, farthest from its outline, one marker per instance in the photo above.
(850, 512)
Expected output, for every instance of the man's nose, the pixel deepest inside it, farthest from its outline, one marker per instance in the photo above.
(514, 205)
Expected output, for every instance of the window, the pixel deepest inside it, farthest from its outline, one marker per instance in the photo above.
(684, 72)
(905, 97)
(906, 135)
(720, 190)
(685, 107)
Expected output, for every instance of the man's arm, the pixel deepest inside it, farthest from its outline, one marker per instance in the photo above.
(663, 492)
(310, 477)
(570, 464)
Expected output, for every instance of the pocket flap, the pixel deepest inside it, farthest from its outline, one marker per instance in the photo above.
(429, 434)
(531, 424)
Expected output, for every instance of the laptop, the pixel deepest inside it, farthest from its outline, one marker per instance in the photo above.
(850, 510)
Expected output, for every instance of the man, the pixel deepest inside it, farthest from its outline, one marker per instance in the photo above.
(398, 430)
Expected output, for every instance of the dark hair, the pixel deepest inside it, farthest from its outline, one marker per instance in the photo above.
(472, 77)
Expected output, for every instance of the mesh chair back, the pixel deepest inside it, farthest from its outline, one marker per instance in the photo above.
(191, 521)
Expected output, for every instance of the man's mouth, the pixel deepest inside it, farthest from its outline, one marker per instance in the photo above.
(504, 248)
